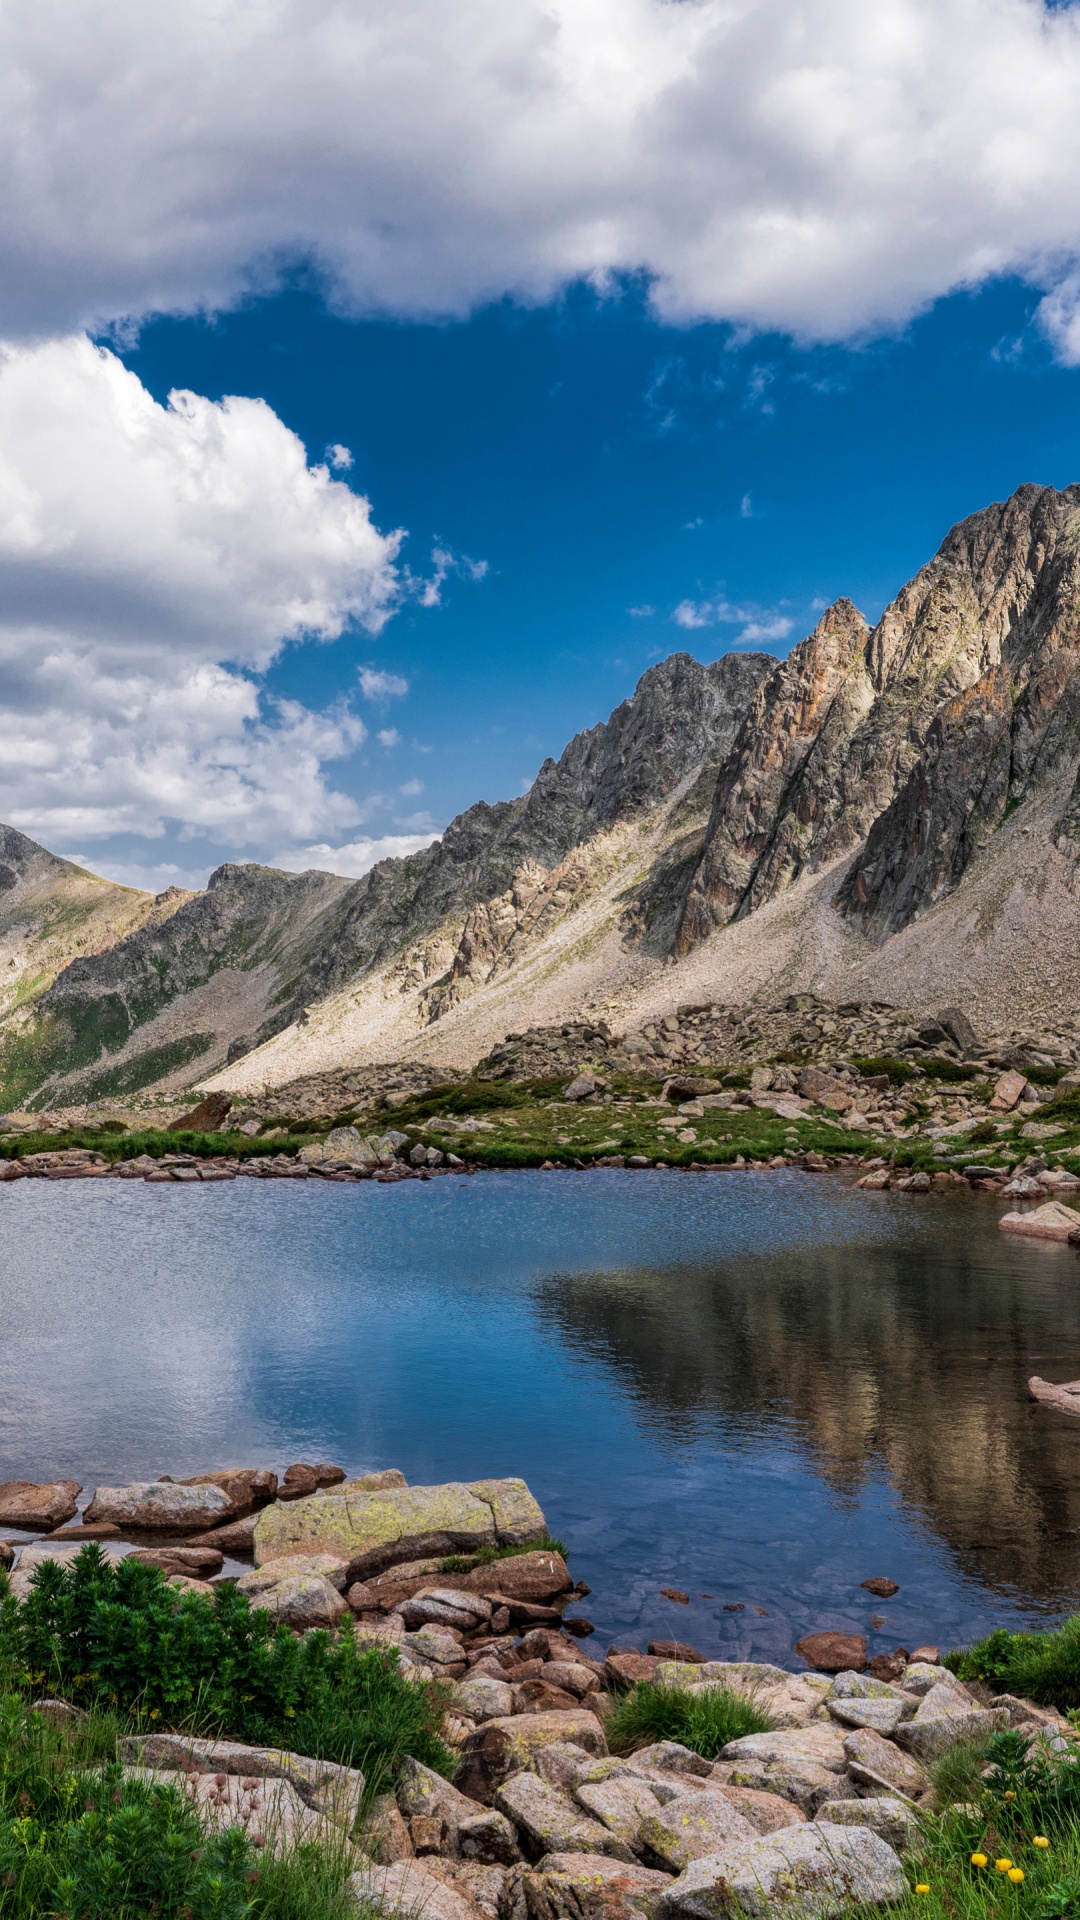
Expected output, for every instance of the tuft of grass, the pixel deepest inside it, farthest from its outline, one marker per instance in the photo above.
(487, 1556)
(899, 1071)
(703, 1721)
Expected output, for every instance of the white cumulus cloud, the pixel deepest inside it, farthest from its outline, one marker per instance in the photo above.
(820, 166)
(154, 560)
(376, 684)
(356, 857)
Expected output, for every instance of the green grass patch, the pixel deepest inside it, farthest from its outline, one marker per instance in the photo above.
(704, 1723)
(114, 1634)
(1044, 1667)
(939, 1067)
(116, 1142)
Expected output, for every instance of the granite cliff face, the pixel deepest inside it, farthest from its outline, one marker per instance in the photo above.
(889, 813)
(917, 736)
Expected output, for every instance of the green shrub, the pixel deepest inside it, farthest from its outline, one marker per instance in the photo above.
(937, 1067)
(113, 1633)
(703, 1722)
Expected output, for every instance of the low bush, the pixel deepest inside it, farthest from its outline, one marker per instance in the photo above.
(114, 1634)
(1039, 1666)
(872, 1065)
(704, 1722)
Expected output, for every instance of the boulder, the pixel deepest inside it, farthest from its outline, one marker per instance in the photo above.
(421, 1794)
(883, 1715)
(488, 1838)
(33, 1556)
(7, 1554)
(790, 1699)
(882, 1587)
(809, 1873)
(886, 1815)
(561, 1763)
(321, 1784)
(835, 1652)
(376, 1529)
(443, 1606)
(878, 1766)
(37, 1508)
(261, 1579)
(537, 1695)
(621, 1804)
(572, 1677)
(237, 1536)
(806, 1766)
(248, 1488)
(502, 1747)
(944, 1718)
(300, 1600)
(407, 1888)
(551, 1822)
(695, 1824)
(1052, 1221)
(669, 1756)
(484, 1698)
(269, 1812)
(200, 1563)
(524, 1576)
(1007, 1091)
(766, 1812)
(577, 1886)
(160, 1506)
(676, 1650)
(302, 1479)
(825, 1089)
(629, 1669)
(208, 1117)
(920, 1675)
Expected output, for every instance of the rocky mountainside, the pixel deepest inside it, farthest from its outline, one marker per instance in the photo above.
(888, 815)
(219, 973)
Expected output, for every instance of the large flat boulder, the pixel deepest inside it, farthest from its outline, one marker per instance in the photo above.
(946, 1716)
(322, 1785)
(33, 1556)
(376, 1528)
(248, 1488)
(38, 1507)
(160, 1506)
(269, 1811)
(807, 1766)
(524, 1576)
(406, 1887)
(620, 1802)
(1052, 1221)
(803, 1873)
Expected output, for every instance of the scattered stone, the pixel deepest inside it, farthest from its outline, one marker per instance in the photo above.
(884, 1589)
(676, 1650)
(675, 1593)
(248, 1488)
(629, 1669)
(199, 1562)
(237, 1536)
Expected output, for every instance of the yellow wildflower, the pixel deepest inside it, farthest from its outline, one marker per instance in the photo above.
(1003, 1865)
(978, 1859)
(1016, 1874)
(1040, 1840)
(922, 1886)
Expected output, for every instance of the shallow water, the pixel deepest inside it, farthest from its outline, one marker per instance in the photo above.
(760, 1389)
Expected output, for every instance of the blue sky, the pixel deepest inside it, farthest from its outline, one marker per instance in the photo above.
(609, 470)
(383, 390)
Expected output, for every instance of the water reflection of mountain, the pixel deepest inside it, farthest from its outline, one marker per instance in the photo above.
(908, 1359)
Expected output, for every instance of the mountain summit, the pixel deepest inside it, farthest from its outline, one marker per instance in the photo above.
(891, 812)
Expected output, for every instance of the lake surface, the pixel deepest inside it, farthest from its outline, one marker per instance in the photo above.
(760, 1389)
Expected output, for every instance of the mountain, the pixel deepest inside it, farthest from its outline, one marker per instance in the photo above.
(889, 814)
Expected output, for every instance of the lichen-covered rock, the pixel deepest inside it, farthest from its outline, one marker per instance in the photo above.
(806, 1766)
(269, 1811)
(160, 1506)
(406, 1887)
(484, 1698)
(31, 1557)
(376, 1529)
(766, 1812)
(620, 1803)
(879, 1765)
(322, 1785)
(442, 1606)
(551, 1822)
(424, 1793)
(569, 1886)
(804, 1873)
(694, 1824)
(302, 1601)
(502, 1747)
(536, 1576)
(884, 1814)
(883, 1715)
(946, 1715)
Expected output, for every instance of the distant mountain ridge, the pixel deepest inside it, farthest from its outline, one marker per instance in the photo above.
(889, 812)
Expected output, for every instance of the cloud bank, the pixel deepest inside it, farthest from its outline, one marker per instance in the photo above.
(154, 560)
(819, 166)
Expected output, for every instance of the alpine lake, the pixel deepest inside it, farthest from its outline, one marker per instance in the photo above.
(759, 1389)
